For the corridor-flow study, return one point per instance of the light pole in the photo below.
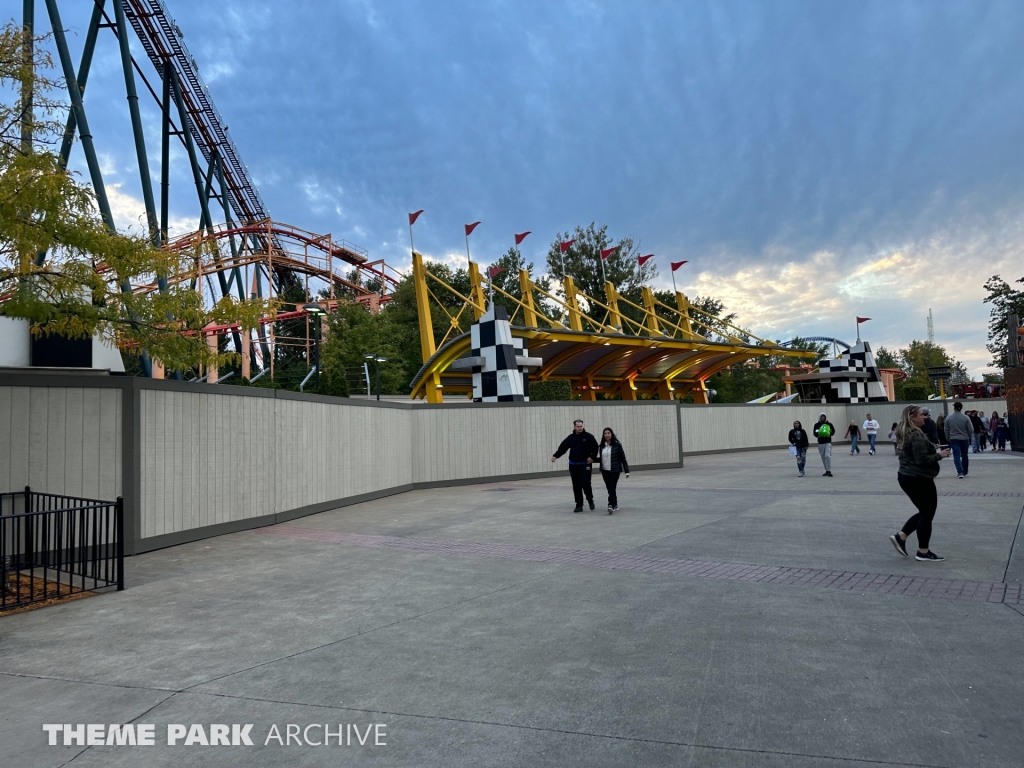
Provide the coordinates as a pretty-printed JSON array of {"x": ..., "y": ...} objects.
[
  {"x": 378, "y": 359},
  {"x": 316, "y": 312}
]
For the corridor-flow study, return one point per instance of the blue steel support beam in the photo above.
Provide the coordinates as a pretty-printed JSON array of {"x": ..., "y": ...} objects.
[
  {"x": 28, "y": 42},
  {"x": 140, "y": 137},
  {"x": 83, "y": 74},
  {"x": 86, "y": 136},
  {"x": 82, "y": 122}
]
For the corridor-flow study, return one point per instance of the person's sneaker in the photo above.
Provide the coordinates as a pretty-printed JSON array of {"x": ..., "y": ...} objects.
[
  {"x": 591, "y": 503},
  {"x": 901, "y": 546},
  {"x": 929, "y": 557},
  {"x": 801, "y": 474},
  {"x": 615, "y": 508},
  {"x": 824, "y": 474},
  {"x": 828, "y": 474},
  {"x": 578, "y": 509},
  {"x": 610, "y": 509},
  {"x": 959, "y": 477}
]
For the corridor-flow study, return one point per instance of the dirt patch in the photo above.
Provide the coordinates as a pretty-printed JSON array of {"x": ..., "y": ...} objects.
[{"x": 21, "y": 587}]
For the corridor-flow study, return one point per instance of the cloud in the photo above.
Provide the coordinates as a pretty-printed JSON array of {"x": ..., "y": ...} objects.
[{"x": 821, "y": 294}]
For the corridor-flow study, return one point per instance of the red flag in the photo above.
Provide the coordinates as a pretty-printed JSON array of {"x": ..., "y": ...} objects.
[
  {"x": 520, "y": 238},
  {"x": 567, "y": 245},
  {"x": 862, "y": 320},
  {"x": 414, "y": 216},
  {"x": 677, "y": 264},
  {"x": 608, "y": 252},
  {"x": 495, "y": 271},
  {"x": 471, "y": 227},
  {"x": 644, "y": 259}
]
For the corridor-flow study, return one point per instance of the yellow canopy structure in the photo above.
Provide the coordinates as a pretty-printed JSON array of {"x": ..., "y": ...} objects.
[{"x": 599, "y": 350}]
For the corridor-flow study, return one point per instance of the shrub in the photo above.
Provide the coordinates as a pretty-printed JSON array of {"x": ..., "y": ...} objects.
[{"x": 554, "y": 389}]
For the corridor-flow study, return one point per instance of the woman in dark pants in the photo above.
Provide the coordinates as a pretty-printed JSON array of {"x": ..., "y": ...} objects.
[
  {"x": 798, "y": 439},
  {"x": 919, "y": 464},
  {"x": 613, "y": 462}
]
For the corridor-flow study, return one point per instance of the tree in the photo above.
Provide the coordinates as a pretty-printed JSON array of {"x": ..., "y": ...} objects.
[
  {"x": 61, "y": 267},
  {"x": 512, "y": 262},
  {"x": 583, "y": 263},
  {"x": 351, "y": 333},
  {"x": 1005, "y": 300},
  {"x": 886, "y": 359}
]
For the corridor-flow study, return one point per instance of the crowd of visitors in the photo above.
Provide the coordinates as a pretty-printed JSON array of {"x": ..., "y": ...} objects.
[{"x": 919, "y": 442}]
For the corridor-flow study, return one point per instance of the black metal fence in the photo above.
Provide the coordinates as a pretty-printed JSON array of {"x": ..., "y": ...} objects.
[{"x": 54, "y": 546}]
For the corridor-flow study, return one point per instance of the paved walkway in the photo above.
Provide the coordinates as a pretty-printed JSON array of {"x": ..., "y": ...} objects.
[{"x": 731, "y": 614}]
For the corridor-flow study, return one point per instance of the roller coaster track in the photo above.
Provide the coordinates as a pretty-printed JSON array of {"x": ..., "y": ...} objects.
[{"x": 162, "y": 40}]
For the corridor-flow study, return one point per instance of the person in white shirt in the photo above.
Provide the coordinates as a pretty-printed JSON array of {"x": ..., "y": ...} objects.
[
  {"x": 871, "y": 430},
  {"x": 613, "y": 462}
]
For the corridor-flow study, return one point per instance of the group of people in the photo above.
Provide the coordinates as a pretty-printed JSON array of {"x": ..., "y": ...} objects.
[
  {"x": 920, "y": 444},
  {"x": 994, "y": 429},
  {"x": 799, "y": 441},
  {"x": 584, "y": 451}
]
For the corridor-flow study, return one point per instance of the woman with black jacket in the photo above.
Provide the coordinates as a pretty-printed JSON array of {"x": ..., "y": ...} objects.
[
  {"x": 919, "y": 464},
  {"x": 798, "y": 439},
  {"x": 613, "y": 462}
]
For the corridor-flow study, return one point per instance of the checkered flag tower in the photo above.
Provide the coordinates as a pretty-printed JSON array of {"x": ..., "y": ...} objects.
[{"x": 500, "y": 363}]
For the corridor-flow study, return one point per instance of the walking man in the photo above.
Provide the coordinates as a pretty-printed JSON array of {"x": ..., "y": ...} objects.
[
  {"x": 929, "y": 428},
  {"x": 871, "y": 430},
  {"x": 824, "y": 430},
  {"x": 582, "y": 448},
  {"x": 960, "y": 433},
  {"x": 978, "y": 428}
]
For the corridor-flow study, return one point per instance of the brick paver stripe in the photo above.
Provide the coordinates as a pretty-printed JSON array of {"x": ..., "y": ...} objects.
[{"x": 934, "y": 587}]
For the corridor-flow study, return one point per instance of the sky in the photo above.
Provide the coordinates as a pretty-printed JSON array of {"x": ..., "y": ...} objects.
[{"x": 813, "y": 161}]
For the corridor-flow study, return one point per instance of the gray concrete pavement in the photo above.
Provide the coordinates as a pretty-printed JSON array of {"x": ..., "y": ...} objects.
[{"x": 489, "y": 661}]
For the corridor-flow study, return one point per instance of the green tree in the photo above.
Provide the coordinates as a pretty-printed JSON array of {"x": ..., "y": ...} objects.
[
  {"x": 351, "y": 333},
  {"x": 61, "y": 267},
  {"x": 886, "y": 359},
  {"x": 1005, "y": 299},
  {"x": 583, "y": 263},
  {"x": 511, "y": 262}
]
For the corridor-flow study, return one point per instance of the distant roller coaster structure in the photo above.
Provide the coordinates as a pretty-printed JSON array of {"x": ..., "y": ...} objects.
[{"x": 244, "y": 250}]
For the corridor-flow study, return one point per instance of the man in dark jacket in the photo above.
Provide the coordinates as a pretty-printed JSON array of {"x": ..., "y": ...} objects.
[
  {"x": 824, "y": 430},
  {"x": 929, "y": 428},
  {"x": 582, "y": 448}
]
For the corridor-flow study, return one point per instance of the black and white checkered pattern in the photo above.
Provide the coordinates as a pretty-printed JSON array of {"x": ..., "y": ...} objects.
[
  {"x": 864, "y": 383},
  {"x": 500, "y": 380}
]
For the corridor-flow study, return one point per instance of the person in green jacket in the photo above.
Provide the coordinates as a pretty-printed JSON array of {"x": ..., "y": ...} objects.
[
  {"x": 824, "y": 430},
  {"x": 919, "y": 465}
]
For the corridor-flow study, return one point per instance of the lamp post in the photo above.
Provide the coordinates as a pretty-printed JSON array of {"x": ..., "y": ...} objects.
[
  {"x": 378, "y": 359},
  {"x": 316, "y": 312}
]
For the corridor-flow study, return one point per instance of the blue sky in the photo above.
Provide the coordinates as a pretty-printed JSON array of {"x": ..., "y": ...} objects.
[{"x": 813, "y": 160}]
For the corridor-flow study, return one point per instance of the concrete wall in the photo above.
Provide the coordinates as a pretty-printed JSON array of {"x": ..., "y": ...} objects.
[
  {"x": 64, "y": 440},
  {"x": 194, "y": 461},
  {"x": 730, "y": 427},
  {"x": 464, "y": 441}
]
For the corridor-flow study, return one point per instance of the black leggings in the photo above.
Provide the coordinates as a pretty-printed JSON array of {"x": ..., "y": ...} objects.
[
  {"x": 921, "y": 491},
  {"x": 611, "y": 479}
]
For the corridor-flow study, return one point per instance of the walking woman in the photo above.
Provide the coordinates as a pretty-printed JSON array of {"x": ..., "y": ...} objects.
[
  {"x": 798, "y": 441},
  {"x": 993, "y": 428},
  {"x": 919, "y": 464},
  {"x": 613, "y": 462},
  {"x": 853, "y": 432}
]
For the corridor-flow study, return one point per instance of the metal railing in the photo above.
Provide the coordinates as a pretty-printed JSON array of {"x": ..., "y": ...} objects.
[{"x": 54, "y": 546}]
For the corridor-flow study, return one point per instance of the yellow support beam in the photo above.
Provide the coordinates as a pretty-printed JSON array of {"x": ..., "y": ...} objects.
[
  {"x": 614, "y": 316},
  {"x": 571, "y": 304},
  {"x": 427, "y": 346},
  {"x": 684, "y": 312},
  {"x": 526, "y": 288},
  {"x": 476, "y": 291},
  {"x": 652, "y": 315}
]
